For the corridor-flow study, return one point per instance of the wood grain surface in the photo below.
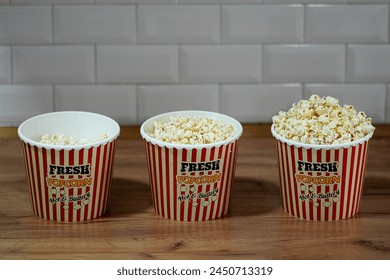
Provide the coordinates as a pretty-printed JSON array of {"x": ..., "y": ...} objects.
[{"x": 256, "y": 228}]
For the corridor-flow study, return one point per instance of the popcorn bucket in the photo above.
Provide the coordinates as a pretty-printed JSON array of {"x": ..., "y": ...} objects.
[
  {"x": 321, "y": 182},
  {"x": 191, "y": 182},
  {"x": 69, "y": 183}
]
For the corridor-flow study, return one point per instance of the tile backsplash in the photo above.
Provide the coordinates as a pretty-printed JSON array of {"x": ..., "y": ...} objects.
[{"x": 132, "y": 59}]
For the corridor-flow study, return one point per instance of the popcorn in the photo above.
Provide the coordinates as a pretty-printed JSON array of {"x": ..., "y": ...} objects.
[
  {"x": 62, "y": 140},
  {"x": 192, "y": 130},
  {"x": 322, "y": 121}
]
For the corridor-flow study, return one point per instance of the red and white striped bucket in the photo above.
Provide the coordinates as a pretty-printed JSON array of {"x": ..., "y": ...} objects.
[
  {"x": 191, "y": 182},
  {"x": 321, "y": 182},
  {"x": 69, "y": 183}
]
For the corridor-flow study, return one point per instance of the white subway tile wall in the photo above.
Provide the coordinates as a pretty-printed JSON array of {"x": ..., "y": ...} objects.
[
  {"x": 53, "y": 64},
  {"x": 304, "y": 63},
  {"x": 116, "y": 101},
  {"x": 159, "y": 24},
  {"x": 19, "y": 102},
  {"x": 132, "y": 59},
  {"x": 213, "y": 64},
  {"x": 137, "y": 64},
  {"x": 5, "y": 65},
  {"x": 157, "y": 99},
  {"x": 94, "y": 24}
]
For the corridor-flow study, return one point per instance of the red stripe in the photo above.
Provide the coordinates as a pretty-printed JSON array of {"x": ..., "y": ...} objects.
[
  {"x": 160, "y": 180},
  {"x": 167, "y": 182},
  {"x": 350, "y": 181},
  {"x": 26, "y": 153},
  {"x": 176, "y": 186},
  {"x": 328, "y": 188},
  {"x": 220, "y": 153},
  {"x": 362, "y": 175},
  {"x": 62, "y": 162},
  {"x": 109, "y": 178},
  {"x": 278, "y": 160},
  {"x": 336, "y": 186},
  {"x": 286, "y": 185},
  {"x": 102, "y": 177},
  {"x": 184, "y": 159},
  {"x": 288, "y": 181},
  {"x": 94, "y": 165},
  {"x": 226, "y": 190},
  {"x": 356, "y": 175},
  {"x": 54, "y": 205},
  {"x": 320, "y": 208},
  {"x": 190, "y": 207},
  {"x": 233, "y": 172},
  {"x": 223, "y": 180},
  {"x": 38, "y": 186},
  {"x": 229, "y": 182},
  {"x": 211, "y": 187},
  {"x": 310, "y": 159},
  {"x": 303, "y": 203},
  {"x": 344, "y": 182},
  {"x": 148, "y": 160},
  {"x": 45, "y": 187},
  {"x": 200, "y": 187},
  {"x": 294, "y": 185},
  {"x": 154, "y": 177},
  {"x": 81, "y": 162},
  {"x": 70, "y": 210}
]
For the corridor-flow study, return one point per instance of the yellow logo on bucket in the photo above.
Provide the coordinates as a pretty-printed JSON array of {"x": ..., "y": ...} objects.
[
  {"x": 318, "y": 183},
  {"x": 194, "y": 176}
]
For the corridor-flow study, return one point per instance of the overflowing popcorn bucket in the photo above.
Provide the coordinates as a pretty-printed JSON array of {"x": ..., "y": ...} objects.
[
  {"x": 321, "y": 160},
  {"x": 69, "y": 162},
  {"x": 191, "y": 157}
]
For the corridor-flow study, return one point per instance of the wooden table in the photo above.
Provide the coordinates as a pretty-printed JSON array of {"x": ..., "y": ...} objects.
[{"x": 256, "y": 228}]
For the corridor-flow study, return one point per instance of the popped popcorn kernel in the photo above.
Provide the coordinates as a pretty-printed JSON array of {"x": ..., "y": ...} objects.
[
  {"x": 192, "y": 130},
  {"x": 62, "y": 140},
  {"x": 322, "y": 121}
]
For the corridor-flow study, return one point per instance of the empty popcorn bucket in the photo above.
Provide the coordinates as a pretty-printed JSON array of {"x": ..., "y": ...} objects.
[
  {"x": 69, "y": 183},
  {"x": 191, "y": 182},
  {"x": 321, "y": 182}
]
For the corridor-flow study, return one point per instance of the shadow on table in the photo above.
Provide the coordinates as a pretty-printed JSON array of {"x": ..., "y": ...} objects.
[
  {"x": 252, "y": 197},
  {"x": 129, "y": 197}
]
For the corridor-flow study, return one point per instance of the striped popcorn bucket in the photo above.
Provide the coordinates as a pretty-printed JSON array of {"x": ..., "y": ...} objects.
[
  {"x": 191, "y": 182},
  {"x": 321, "y": 182},
  {"x": 69, "y": 183}
]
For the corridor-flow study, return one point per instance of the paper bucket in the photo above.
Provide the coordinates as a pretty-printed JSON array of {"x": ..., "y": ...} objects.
[
  {"x": 321, "y": 182},
  {"x": 69, "y": 183},
  {"x": 191, "y": 182}
]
